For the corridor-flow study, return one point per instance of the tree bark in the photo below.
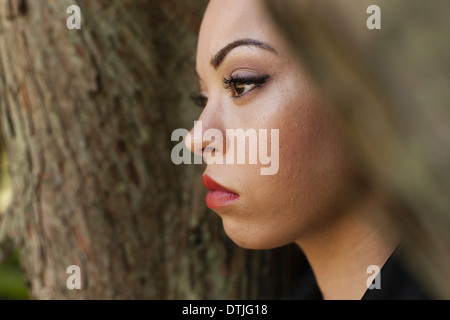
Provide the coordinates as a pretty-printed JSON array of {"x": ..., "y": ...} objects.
[{"x": 86, "y": 120}]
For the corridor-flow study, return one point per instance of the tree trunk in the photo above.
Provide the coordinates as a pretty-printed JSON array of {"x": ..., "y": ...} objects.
[{"x": 86, "y": 120}]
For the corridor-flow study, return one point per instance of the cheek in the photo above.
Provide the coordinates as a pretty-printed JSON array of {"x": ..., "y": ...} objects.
[
  {"x": 304, "y": 137},
  {"x": 301, "y": 156},
  {"x": 310, "y": 175},
  {"x": 311, "y": 179},
  {"x": 275, "y": 207}
]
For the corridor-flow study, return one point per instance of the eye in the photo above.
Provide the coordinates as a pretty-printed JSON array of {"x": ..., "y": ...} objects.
[
  {"x": 199, "y": 100},
  {"x": 239, "y": 86}
]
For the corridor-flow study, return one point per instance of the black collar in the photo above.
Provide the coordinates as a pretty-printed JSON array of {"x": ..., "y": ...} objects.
[{"x": 397, "y": 283}]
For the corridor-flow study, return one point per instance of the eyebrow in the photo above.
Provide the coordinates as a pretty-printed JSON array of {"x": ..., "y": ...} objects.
[{"x": 221, "y": 55}]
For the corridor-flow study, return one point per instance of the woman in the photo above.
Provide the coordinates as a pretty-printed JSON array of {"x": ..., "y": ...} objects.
[{"x": 319, "y": 198}]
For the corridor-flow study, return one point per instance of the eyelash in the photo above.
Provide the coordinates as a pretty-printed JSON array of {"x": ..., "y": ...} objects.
[
  {"x": 230, "y": 86},
  {"x": 199, "y": 100}
]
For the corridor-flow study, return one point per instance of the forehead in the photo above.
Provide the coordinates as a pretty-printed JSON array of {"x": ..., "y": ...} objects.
[{"x": 226, "y": 21}]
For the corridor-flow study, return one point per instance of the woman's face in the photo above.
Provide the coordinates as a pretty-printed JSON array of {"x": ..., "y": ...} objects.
[{"x": 265, "y": 88}]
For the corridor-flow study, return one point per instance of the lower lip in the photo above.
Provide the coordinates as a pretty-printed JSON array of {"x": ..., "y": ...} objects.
[{"x": 219, "y": 198}]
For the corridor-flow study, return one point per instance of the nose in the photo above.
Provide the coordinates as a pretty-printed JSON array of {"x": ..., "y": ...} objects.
[
  {"x": 194, "y": 140},
  {"x": 206, "y": 138}
]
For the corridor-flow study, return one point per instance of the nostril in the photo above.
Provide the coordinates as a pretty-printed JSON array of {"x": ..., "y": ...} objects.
[{"x": 209, "y": 150}]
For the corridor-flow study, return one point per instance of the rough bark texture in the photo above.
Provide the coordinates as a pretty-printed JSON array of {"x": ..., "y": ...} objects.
[
  {"x": 389, "y": 89},
  {"x": 86, "y": 118}
]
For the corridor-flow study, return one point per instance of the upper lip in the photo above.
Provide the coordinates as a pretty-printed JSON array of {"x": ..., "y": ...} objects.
[{"x": 213, "y": 185}]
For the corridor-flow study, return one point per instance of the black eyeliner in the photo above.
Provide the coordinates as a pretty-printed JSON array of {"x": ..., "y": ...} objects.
[{"x": 246, "y": 80}]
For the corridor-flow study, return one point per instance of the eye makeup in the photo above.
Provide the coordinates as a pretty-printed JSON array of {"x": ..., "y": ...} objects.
[
  {"x": 243, "y": 72},
  {"x": 239, "y": 85}
]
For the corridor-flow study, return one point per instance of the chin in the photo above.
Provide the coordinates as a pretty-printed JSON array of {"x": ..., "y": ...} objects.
[{"x": 252, "y": 237}]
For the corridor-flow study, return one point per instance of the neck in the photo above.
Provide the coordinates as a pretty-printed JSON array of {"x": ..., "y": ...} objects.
[{"x": 341, "y": 252}]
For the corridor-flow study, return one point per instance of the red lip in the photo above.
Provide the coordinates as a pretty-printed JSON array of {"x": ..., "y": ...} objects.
[{"x": 218, "y": 196}]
